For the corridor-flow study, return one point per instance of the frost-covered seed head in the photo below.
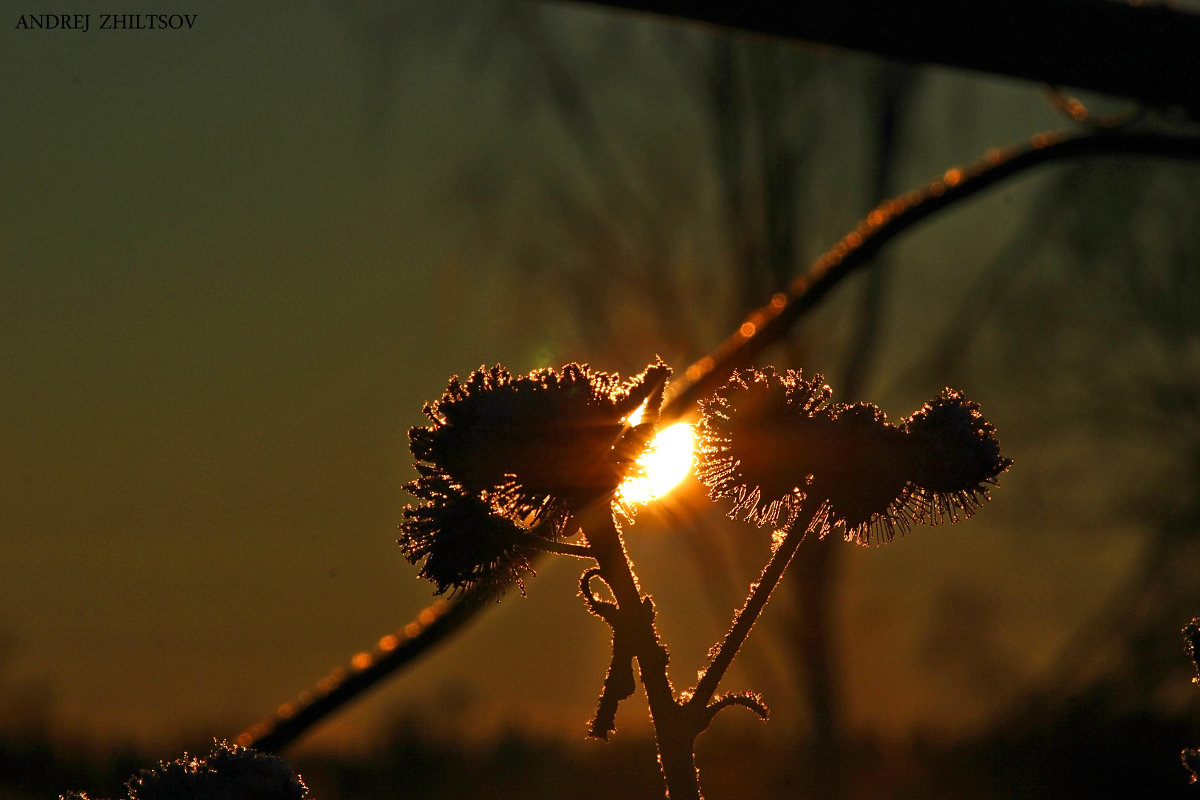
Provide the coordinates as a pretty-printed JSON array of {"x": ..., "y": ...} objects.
[
  {"x": 506, "y": 457},
  {"x": 773, "y": 443}
]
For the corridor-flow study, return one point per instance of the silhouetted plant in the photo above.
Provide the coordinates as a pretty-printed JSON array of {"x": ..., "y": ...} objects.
[
  {"x": 437, "y": 534},
  {"x": 229, "y": 772},
  {"x": 511, "y": 465},
  {"x": 1191, "y": 637}
]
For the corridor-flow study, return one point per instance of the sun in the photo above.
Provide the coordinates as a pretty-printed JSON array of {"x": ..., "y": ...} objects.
[{"x": 666, "y": 462}]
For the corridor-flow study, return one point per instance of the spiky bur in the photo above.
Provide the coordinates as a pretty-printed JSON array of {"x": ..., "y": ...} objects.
[
  {"x": 956, "y": 457},
  {"x": 511, "y": 457},
  {"x": 461, "y": 541},
  {"x": 229, "y": 772},
  {"x": 773, "y": 443},
  {"x": 742, "y": 440}
]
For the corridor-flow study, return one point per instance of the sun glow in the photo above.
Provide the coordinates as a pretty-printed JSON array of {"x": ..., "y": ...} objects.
[{"x": 666, "y": 462}]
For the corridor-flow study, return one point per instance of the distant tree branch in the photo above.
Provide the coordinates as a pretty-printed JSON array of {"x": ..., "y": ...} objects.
[{"x": 1142, "y": 52}]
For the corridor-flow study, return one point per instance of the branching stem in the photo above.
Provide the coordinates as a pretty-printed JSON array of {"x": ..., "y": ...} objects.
[
  {"x": 677, "y": 724},
  {"x": 674, "y": 729}
]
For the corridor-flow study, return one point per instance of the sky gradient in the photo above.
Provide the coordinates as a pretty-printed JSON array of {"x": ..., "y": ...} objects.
[{"x": 233, "y": 264}]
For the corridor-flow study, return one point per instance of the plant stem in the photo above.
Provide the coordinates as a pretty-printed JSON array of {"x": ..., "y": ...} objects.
[
  {"x": 748, "y": 615},
  {"x": 674, "y": 728}
]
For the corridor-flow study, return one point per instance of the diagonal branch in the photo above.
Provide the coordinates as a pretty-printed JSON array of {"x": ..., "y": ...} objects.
[{"x": 891, "y": 218}]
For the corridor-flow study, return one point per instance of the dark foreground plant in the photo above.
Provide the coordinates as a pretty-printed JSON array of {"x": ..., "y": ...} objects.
[
  {"x": 229, "y": 772},
  {"x": 511, "y": 465},
  {"x": 1191, "y": 637}
]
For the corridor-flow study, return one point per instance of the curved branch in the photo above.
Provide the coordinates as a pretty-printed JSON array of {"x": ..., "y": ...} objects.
[
  {"x": 750, "y": 700},
  {"x": 887, "y": 221},
  {"x": 601, "y": 608}
]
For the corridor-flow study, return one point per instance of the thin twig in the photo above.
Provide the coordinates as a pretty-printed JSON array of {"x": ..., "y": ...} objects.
[
  {"x": 749, "y": 613},
  {"x": 533, "y": 541}
]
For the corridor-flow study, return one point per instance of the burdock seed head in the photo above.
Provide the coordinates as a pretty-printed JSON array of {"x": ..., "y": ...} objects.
[
  {"x": 774, "y": 444},
  {"x": 542, "y": 443},
  {"x": 506, "y": 457},
  {"x": 864, "y": 475},
  {"x": 748, "y": 438},
  {"x": 957, "y": 458},
  {"x": 463, "y": 543}
]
